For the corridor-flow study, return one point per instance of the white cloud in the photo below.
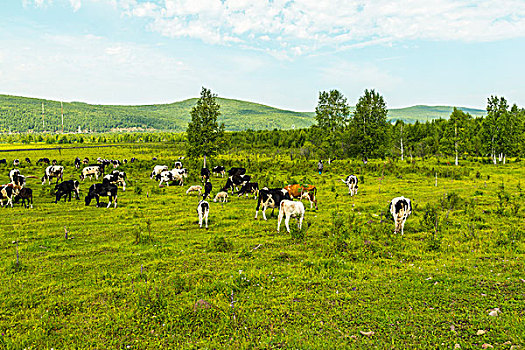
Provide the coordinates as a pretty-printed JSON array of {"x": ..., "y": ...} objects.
[
  {"x": 311, "y": 25},
  {"x": 75, "y": 4}
]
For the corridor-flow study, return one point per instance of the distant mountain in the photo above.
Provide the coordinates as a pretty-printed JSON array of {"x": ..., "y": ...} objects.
[{"x": 22, "y": 114}]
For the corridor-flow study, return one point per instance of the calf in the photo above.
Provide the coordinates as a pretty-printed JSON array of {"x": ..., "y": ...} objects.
[
  {"x": 203, "y": 209},
  {"x": 77, "y": 163},
  {"x": 116, "y": 177},
  {"x": 249, "y": 187},
  {"x": 157, "y": 169},
  {"x": 25, "y": 194},
  {"x": 43, "y": 160},
  {"x": 236, "y": 171},
  {"x": 205, "y": 174},
  {"x": 167, "y": 176},
  {"x": 221, "y": 197},
  {"x": 351, "y": 181},
  {"x": 290, "y": 208},
  {"x": 65, "y": 188},
  {"x": 104, "y": 190},
  {"x": 207, "y": 190},
  {"x": 9, "y": 191},
  {"x": 400, "y": 208},
  {"x": 303, "y": 191},
  {"x": 219, "y": 170},
  {"x": 90, "y": 171},
  {"x": 51, "y": 172},
  {"x": 194, "y": 189},
  {"x": 270, "y": 198}
]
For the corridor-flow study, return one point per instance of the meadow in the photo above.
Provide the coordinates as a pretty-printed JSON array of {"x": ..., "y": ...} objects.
[{"x": 145, "y": 276}]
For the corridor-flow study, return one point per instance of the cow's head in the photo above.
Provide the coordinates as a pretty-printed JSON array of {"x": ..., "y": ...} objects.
[{"x": 88, "y": 199}]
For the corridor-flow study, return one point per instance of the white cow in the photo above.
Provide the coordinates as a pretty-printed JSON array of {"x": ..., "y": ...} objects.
[
  {"x": 90, "y": 171},
  {"x": 221, "y": 197},
  {"x": 196, "y": 188},
  {"x": 400, "y": 208},
  {"x": 290, "y": 208},
  {"x": 351, "y": 181},
  {"x": 203, "y": 209}
]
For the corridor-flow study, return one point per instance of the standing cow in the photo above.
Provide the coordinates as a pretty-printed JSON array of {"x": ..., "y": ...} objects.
[
  {"x": 51, "y": 172},
  {"x": 400, "y": 208},
  {"x": 351, "y": 181},
  {"x": 104, "y": 190}
]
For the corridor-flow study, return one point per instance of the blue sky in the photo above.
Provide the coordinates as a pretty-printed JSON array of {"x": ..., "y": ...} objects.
[{"x": 279, "y": 52}]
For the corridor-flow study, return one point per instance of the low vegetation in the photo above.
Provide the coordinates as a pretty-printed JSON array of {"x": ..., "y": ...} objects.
[{"x": 144, "y": 276}]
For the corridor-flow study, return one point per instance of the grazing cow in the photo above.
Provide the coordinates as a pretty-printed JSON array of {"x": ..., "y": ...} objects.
[
  {"x": 133, "y": 159},
  {"x": 167, "y": 176},
  {"x": 116, "y": 163},
  {"x": 3, "y": 161},
  {"x": 207, "y": 190},
  {"x": 28, "y": 161},
  {"x": 16, "y": 162},
  {"x": 178, "y": 165},
  {"x": 270, "y": 198},
  {"x": 16, "y": 178},
  {"x": 25, "y": 194},
  {"x": 221, "y": 197},
  {"x": 90, "y": 171},
  {"x": 205, "y": 174},
  {"x": 65, "y": 188},
  {"x": 290, "y": 208},
  {"x": 235, "y": 181},
  {"x": 249, "y": 187},
  {"x": 125, "y": 161},
  {"x": 236, "y": 171},
  {"x": 116, "y": 177},
  {"x": 196, "y": 188},
  {"x": 85, "y": 161},
  {"x": 183, "y": 171},
  {"x": 351, "y": 181},
  {"x": 54, "y": 162},
  {"x": 43, "y": 160},
  {"x": 400, "y": 208},
  {"x": 203, "y": 209},
  {"x": 13, "y": 173},
  {"x": 9, "y": 191},
  {"x": 77, "y": 163},
  {"x": 53, "y": 171},
  {"x": 157, "y": 169},
  {"x": 104, "y": 190},
  {"x": 219, "y": 169},
  {"x": 303, "y": 191}
]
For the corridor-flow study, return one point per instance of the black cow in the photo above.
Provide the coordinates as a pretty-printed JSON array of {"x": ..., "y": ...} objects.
[
  {"x": 28, "y": 161},
  {"x": 3, "y": 161},
  {"x": 249, "y": 187},
  {"x": 270, "y": 198},
  {"x": 205, "y": 174},
  {"x": 236, "y": 171},
  {"x": 207, "y": 190},
  {"x": 235, "y": 181},
  {"x": 25, "y": 194},
  {"x": 65, "y": 188},
  {"x": 133, "y": 160},
  {"x": 77, "y": 162},
  {"x": 104, "y": 190},
  {"x": 219, "y": 169},
  {"x": 43, "y": 160}
]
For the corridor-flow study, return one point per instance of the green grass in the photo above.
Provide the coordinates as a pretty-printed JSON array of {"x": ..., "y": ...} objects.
[{"x": 145, "y": 276}]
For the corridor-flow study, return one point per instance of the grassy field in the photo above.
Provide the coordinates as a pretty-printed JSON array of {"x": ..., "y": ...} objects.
[{"x": 144, "y": 276}]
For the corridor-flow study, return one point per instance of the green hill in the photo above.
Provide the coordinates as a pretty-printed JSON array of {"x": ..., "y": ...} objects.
[{"x": 20, "y": 114}]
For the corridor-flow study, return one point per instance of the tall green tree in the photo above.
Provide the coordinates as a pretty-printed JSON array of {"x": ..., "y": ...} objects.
[
  {"x": 495, "y": 128},
  {"x": 455, "y": 136},
  {"x": 205, "y": 135},
  {"x": 369, "y": 125}
]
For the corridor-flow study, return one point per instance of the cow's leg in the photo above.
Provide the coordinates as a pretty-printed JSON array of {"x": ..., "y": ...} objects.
[
  {"x": 109, "y": 201},
  {"x": 403, "y": 226},
  {"x": 206, "y": 218},
  {"x": 200, "y": 219},
  {"x": 279, "y": 219},
  {"x": 70, "y": 196},
  {"x": 98, "y": 200},
  {"x": 31, "y": 201},
  {"x": 115, "y": 202},
  {"x": 264, "y": 212},
  {"x": 287, "y": 223},
  {"x": 301, "y": 221}
]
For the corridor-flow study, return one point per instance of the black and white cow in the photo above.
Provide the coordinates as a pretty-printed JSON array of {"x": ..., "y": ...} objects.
[
  {"x": 65, "y": 188},
  {"x": 116, "y": 177},
  {"x": 116, "y": 163},
  {"x": 177, "y": 165},
  {"x": 249, "y": 187},
  {"x": 235, "y": 181},
  {"x": 53, "y": 171},
  {"x": 16, "y": 162},
  {"x": 351, "y": 181},
  {"x": 236, "y": 171},
  {"x": 207, "y": 190},
  {"x": 270, "y": 198},
  {"x": 203, "y": 209},
  {"x": 25, "y": 194},
  {"x": 77, "y": 163},
  {"x": 28, "y": 161},
  {"x": 17, "y": 178},
  {"x": 43, "y": 160},
  {"x": 85, "y": 161},
  {"x": 219, "y": 169},
  {"x": 92, "y": 170},
  {"x": 400, "y": 208},
  {"x": 170, "y": 175},
  {"x": 9, "y": 191},
  {"x": 104, "y": 190},
  {"x": 133, "y": 159},
  {"x": 157, "y": 169},
  {"x": 205, "y": 174}
]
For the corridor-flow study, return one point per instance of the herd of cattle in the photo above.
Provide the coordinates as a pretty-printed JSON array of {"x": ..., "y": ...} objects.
[{"x": 237, "y": 180}]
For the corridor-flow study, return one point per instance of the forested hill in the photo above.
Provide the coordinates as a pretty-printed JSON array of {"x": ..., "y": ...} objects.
[{"x": 20, "y": 114}]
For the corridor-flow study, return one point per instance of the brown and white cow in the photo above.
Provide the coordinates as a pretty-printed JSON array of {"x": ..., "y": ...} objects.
[{"x": 303, "y": 192}]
